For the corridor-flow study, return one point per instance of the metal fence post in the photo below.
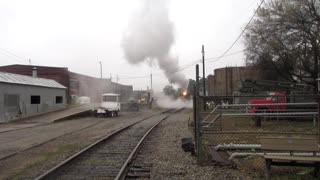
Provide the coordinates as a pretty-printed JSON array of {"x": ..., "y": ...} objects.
[
  {"x": 318, "y": 100},
  {"x": 197, "y": 112},
  {"x": 194, "y": 111}
]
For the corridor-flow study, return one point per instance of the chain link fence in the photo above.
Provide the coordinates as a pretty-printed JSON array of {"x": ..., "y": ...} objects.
[{"x": 228, "y": 129}]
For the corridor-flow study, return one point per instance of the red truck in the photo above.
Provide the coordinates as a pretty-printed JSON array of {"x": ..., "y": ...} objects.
[
  {"x": 276, "y": 101},
  {"x": 280, "y": 102}
]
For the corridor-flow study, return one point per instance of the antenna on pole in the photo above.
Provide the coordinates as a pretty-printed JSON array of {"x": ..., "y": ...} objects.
[
  {"x": 100, "y": 69},
  {"x": 151, "y": 81}
]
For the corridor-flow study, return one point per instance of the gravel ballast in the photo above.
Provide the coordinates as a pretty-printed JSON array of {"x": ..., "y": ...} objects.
[{"x": 162, "y": 152}]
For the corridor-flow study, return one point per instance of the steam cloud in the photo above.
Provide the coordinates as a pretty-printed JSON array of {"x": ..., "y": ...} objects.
[
  {"x": 149, "y": 38},
  {"x": 167, "y": 102}
]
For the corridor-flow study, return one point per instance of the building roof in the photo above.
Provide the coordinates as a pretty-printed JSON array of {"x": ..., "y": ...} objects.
[
  {"x": 28, "y": 80},
  {"x": 27, "y": 65}
]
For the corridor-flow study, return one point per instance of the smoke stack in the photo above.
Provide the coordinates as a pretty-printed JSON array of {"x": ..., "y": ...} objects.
[{"x": 34, "y": 72}]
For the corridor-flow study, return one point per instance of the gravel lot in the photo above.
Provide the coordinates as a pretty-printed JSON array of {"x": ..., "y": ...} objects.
[
  {"x": 33, "y": 162},
  {"x": 163, "y": 153}
]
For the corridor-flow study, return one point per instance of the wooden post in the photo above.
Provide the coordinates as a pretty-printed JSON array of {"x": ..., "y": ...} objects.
[{"x": 258, "y": 121}]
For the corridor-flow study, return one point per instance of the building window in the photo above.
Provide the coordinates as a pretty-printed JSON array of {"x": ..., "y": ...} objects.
[
  {"x": 35, "y": 99},
  {"x": 73, "y": 84},
  {"x": 11, "y": 100},
  {"x": 59, "y": 99}
]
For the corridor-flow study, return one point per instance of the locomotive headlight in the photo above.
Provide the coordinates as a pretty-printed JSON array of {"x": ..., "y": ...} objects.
[{"x": 184, "y": 93}]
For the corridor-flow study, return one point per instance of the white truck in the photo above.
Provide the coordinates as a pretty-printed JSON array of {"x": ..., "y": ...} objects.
[{"x": 110, "y": 105}]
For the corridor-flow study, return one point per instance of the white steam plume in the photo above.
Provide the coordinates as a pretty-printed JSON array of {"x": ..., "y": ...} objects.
[
  {"x": 166, "y": 102},
  {"x": 150, "y": 37}
]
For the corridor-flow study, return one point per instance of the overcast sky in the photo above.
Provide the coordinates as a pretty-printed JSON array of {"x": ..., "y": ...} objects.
[{"x": 79, "y": 33}]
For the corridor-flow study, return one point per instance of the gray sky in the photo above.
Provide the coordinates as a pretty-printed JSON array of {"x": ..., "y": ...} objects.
[{"x": 79, "y": 33}]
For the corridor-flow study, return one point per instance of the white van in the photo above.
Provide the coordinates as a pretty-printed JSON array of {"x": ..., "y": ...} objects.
[{"x": 110, "y": 105}]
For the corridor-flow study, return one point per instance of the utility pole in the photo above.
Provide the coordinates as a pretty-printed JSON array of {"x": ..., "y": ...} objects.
[
  {"x": 197, "y": 115},
  {"x": 117, "y": 85},
  {"x": 204, "y": 72},
  {"x": 100, "y": 69},
  {"x": 29, "y": 61},
  {"x": 151, "y": 82}
]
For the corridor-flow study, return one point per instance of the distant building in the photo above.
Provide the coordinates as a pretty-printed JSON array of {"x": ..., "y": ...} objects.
[
  {"x": 226, "y": 81},
  {"x": 82, "y": 85},
  {"x": 22, "y": 95},
  {"x": 77, "y": 84}
]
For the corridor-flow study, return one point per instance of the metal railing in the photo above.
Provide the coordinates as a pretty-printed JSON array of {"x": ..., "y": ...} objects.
[{"x": 222, "y": 122}]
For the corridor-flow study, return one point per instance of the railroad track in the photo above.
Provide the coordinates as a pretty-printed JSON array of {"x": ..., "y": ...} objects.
[
  {"x": 52, "y": 139},
  {"x": 107, "y": 158}
]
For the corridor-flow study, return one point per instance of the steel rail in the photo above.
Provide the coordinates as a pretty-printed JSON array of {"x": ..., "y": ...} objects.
[
  {"x": 96, "y": 143},
  {"x": 125, "y": 167}
]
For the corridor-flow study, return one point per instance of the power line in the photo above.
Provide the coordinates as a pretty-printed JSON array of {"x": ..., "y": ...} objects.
[
  {"x": 11, "y": 57},
  {"x": 181, "y": 68},
  {"x": 225, "y": 53},
  {"x": 14, "y": 55},
  {"x": 245, "y": 28},
  {"x": 213, "y": 59},
  {"x": 176, "y": 70},
  {"x": 134, "y": 77},
  {"x": 17, "y": 57}
]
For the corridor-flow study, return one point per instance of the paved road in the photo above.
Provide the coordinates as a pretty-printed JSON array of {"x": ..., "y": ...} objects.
[{"x": 43, "y": 118}]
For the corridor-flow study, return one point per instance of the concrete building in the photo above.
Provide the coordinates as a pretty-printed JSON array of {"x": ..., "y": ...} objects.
[
  {"x": 82, "y": 85},
  {"x": 22, "y": 95},
  {"x": 226, "y": 81},
  {"x": 77, "y": 84}
]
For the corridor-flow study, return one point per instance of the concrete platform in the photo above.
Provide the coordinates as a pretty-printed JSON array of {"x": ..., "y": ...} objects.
[{"x": 43, "y": 118}]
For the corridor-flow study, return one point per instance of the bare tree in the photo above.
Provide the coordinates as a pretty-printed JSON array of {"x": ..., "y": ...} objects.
[{"x": 286, "y": 35}]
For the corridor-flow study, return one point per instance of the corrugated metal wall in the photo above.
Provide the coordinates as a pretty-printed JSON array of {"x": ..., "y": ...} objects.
[
  {"x": 24, "y": 107},
  {"x": 225, "y": 81}
]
